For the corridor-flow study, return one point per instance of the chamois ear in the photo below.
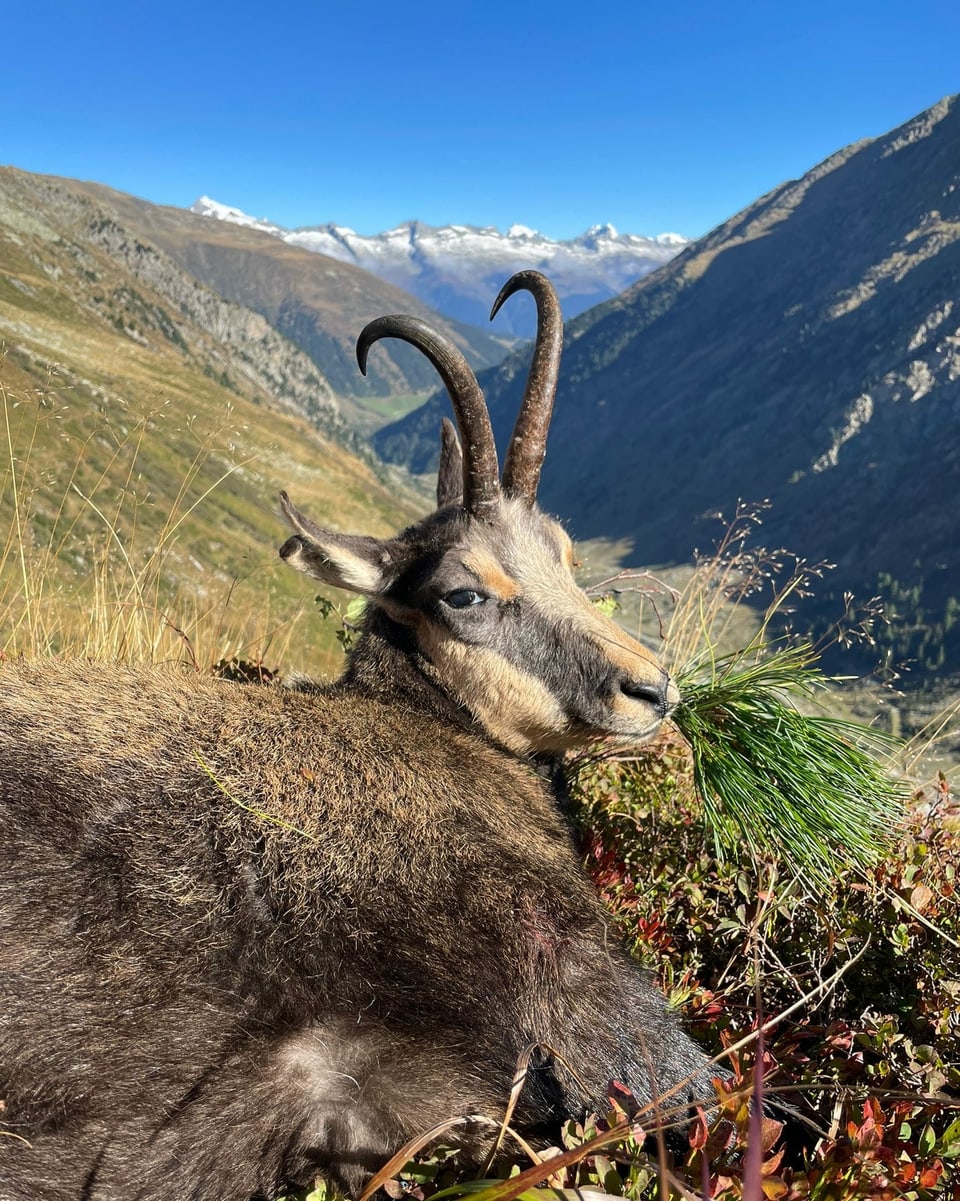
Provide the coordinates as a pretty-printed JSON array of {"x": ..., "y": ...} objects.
[
  {"x": 350, "y": 561},
  {"x": 450, "y": 472}
]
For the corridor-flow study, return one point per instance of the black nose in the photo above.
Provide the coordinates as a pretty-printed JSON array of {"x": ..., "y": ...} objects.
[{"x": 654, "y": 694}]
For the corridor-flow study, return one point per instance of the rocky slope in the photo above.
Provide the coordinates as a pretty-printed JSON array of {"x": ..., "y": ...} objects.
[
  {"x": 318, "y": 303},
  {"x": 103, "y": 268},
  {"x": 146, "y": 418}
]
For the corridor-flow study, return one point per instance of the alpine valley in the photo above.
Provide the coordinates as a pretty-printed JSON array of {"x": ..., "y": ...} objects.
[{"x": 807, "y": 351}]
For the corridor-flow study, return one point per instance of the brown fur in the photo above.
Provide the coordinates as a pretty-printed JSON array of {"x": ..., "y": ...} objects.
[
  {"x": 250, "y": 934},
  {"x": 490, "y": 574}
]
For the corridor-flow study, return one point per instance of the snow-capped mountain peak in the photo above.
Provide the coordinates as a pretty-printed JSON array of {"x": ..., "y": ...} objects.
[
  {"x": 601, "y": 231},
  {"x": 459, "y": 268},
  {"x": 677, "y": 240},
  {"x": 206, "y": 206},
  {"x": 523, "y": 231}
]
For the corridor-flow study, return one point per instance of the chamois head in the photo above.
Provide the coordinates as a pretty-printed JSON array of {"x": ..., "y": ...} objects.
[{"x": 485, "y": 585}]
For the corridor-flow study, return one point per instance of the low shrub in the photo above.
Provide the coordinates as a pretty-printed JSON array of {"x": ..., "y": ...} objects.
[{"x": 856, "y": 983}]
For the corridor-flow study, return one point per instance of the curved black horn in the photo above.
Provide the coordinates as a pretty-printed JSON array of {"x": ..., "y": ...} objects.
[
  {"x": 481, "y": 488},
  {"x": 528, "y": 444}
]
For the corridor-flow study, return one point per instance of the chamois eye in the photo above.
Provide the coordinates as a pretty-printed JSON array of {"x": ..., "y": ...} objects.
[{"x": 464, "y": 598}]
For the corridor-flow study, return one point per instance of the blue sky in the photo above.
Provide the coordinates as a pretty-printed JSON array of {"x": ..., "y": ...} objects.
[{"x": 558, "y": 116}]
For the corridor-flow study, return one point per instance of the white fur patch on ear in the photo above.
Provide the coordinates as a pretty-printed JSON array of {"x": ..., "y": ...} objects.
[
  {"x": 356, "y": 573},
  {"x": 333, "y": 563}
]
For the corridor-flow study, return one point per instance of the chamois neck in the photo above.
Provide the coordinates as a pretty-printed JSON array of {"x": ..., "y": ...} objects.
[{"x": 386, "y": 662}]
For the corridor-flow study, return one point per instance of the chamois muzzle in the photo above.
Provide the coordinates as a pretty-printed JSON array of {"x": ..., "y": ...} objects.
[{"x": 661, "y": 696}]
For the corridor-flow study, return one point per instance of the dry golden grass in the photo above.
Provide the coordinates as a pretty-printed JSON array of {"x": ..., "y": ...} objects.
[{"x": 144, "y": 535}]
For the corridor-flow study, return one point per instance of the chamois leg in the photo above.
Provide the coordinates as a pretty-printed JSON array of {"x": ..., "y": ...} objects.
[{"x": 335, "y": 1100}]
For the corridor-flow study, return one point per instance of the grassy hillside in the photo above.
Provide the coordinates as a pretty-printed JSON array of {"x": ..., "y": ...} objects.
[{"x": 141, "y": 455}]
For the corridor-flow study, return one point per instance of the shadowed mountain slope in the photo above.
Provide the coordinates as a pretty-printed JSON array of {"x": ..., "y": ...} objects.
[{"x": 806, "y": 351}]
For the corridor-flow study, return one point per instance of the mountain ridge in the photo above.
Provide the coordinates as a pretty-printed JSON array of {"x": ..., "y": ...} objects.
[
  {"x": 319, "y": 304},
  {"x": 453, "y": 267}
]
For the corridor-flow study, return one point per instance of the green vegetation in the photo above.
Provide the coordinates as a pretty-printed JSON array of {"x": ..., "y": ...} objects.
[
  {"x": 923, "y": 631},
  {"x": 808, "y": 788},
  {"x": 133, "y": 531},
  {"x": 855, "y": 982},
  {"x": 390, "y": 408},
  {"x": 914, "y": 626},
  {"x": 369, "y": 413}
]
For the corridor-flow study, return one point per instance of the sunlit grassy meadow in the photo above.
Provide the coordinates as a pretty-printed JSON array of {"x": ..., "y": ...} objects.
[{"x": 134, "y": 532}]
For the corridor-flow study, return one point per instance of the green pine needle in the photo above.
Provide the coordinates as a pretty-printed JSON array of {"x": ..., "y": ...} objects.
[{"x": 813, "y": 791}]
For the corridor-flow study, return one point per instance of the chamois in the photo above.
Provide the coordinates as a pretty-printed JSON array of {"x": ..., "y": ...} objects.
[{"x": 253, "y": 934}]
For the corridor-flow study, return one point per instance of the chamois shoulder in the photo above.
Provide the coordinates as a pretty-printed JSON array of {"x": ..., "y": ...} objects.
[{"x": 161, "y": 735}]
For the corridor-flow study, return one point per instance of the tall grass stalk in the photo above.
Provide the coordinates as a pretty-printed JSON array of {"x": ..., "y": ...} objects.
[
  {"x": 92, "y": 564},
  {"x": 14, "y": 541},
  {"x": 708, "y": 618}
]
